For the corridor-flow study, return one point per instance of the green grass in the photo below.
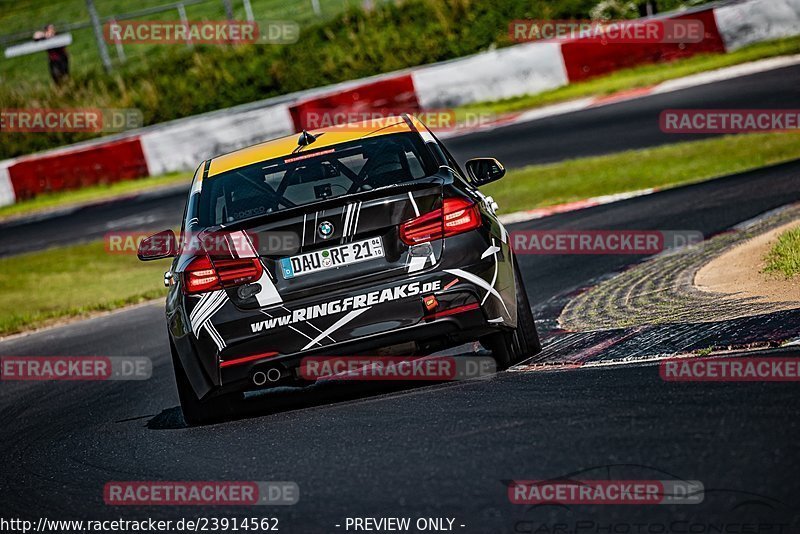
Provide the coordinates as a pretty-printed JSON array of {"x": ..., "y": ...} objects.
[
  {"x": 643, "y": 76},
  {"x": 784, "y": 257},
  {"x": 682, "y": 163},
  {"x": 41, "y": 287},
  {"x": 94, "y": 193},
  {"x": 29, "y": 15}
]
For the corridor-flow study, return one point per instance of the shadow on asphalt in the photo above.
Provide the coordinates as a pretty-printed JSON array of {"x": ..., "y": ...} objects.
[{"x": 286, "y": 399}]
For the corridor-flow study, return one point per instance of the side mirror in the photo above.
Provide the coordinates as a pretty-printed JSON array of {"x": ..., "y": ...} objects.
[
  {"x": 158, "y": 246},
  {"x": 485, "y": 170}
]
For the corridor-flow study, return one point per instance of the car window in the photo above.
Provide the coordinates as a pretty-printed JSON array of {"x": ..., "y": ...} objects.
[{"x": 307, "y": 177}]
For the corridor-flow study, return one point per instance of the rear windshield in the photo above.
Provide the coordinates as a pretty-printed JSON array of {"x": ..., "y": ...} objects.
[{"x": 311, "y": 176}]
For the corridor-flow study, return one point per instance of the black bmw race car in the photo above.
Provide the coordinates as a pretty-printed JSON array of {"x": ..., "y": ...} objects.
[{"x": 348, "y": 240}]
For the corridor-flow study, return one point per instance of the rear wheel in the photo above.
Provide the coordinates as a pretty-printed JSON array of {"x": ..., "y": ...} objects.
[
  {"x": 196, "y": 411},
  {"x": 513, "y": 346},
  {"x": 525, "y": 338},
  {"x": 500, "y": 345}
]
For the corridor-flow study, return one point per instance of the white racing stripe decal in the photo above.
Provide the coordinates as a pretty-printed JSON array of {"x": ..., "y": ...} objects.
[
  {"x": 293, "y": 328},
  {"x": 301, "y": 333},
  {"x": 489, "y": 251},
  {"x": 309, "y": 323},
  {"x": 346, "y": 214},
  {"x": 203, "y": 303},
  {"x": 336, "y": 326},
  {"x": 492, "y": 250},
  {"x": 214, "y": 304},
  {"x": 479, "y": 282},
  {"x": 417, "y": 263},
  {"x": 200, "y": 324},
  {"x": 350, "y": 215},
  {"x": 209, "y": 305},
  {"x": 355, "y": 223},
  {"x": 269, "y": 293},
  {"x": 215, "y": 335},
  {"x": 200, "y": 304},
  {"x": 413, "y": 203},
  {"x": 236, "y": 253}
]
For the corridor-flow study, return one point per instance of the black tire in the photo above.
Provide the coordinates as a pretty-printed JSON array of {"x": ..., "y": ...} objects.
[
  {"x": 513, "y": 346},
  {"x": 196, "y": 411},
  {"x": 525, "y": 338},
  {"x": 501, "y": 347}
]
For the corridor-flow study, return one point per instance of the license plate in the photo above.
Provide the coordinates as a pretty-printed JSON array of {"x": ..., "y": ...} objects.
[{"x": 331, "y": 258}]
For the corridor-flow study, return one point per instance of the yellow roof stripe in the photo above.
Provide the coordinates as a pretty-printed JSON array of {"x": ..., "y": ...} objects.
[{"x": 285, "y": 145}]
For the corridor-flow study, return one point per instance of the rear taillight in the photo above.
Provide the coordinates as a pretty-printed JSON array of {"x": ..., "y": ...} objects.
[
  {"x": 423, "y": 228},
  {"x": 201, "y": 275},
  {"x": 460, "y": 216},
  {"x": 457, "y": 215},
  {"x": 237, "y": 272}
]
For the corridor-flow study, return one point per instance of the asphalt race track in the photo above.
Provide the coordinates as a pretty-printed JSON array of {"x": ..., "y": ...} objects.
[
  {"x": 436, "y": 451},
  {"x": 626, "y": 125}
]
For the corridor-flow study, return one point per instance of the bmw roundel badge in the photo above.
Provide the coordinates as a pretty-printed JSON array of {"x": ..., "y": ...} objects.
[{"x": 325, "y": 229}]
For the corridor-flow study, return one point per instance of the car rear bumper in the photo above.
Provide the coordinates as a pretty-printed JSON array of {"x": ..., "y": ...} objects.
[
  {"x": 471, "y": 302},
  {"x": 451, "y": 330}
]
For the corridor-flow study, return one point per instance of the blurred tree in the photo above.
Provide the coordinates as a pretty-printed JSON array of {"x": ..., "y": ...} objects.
[
  {"x": 628, "y": 9},
  {"x": 615, "y": 10}
]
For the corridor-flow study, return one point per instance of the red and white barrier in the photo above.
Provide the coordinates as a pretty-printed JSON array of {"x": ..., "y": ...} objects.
[
  {"x": 528, "y": 68},
  {"x": 378, "y": 97},
  {"x": 181, "y": 145},
  {"x": 585, "y": 59},
  {"x": 744, "y": 23},
  {"x": 518, "y": 70},
  {"x": 7, "y": 196},
  {"x": 73, "y": 168}
]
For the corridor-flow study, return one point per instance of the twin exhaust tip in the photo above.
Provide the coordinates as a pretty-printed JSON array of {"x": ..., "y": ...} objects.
[{"x": 260, "y": 377}]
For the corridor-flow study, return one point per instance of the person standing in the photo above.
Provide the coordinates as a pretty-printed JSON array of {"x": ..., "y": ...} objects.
[{"x": 57, "y": 57}]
